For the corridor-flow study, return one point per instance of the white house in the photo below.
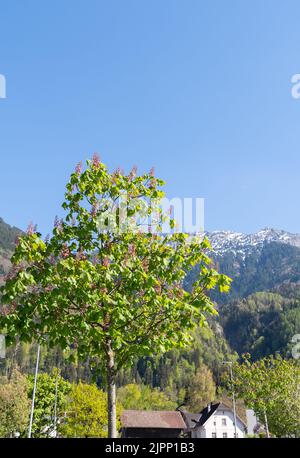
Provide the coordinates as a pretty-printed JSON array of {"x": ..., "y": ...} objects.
[{"x": 215, "y": 421}]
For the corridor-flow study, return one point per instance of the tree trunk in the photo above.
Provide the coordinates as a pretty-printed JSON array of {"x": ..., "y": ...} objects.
[
  {"x": 267, "y": 425},
  {"x": 111, "y": 394}
]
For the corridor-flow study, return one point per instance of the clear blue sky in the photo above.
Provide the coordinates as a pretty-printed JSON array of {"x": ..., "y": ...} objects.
[{"x": 199, "y": 89}]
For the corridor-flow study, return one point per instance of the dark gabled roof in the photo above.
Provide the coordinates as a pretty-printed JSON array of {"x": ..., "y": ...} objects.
[
  {"x": 207, "y": 412},
  {"x": 152, "y": 419},
  {"x": 194, "y": 420}
]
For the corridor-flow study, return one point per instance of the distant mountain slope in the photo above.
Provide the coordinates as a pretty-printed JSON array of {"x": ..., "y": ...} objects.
[
  {"x": 8, "y": 236},
  {"x": 261, "y": 313},
  {"x": 260, "y": 270},
  {"x": 255, "y": 262},
  {"x": 243, "y": 244}
]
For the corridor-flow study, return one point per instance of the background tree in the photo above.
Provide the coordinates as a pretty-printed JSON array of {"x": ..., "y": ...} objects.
[
  {"x": 271, "y": 387},
  {"x": 225, "y": 398},
  {"x": 49, "y": 387},
  {"x": 104, "y": 285},
  {"x": 201, "y": 390},
  {"x": 14, "y": 405},
  {"x": 86, "y": 414},
  {"x": 142, "y": 397}
]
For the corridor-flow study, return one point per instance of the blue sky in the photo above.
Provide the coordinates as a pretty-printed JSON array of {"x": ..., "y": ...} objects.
[{"x": 199, "y": 89}]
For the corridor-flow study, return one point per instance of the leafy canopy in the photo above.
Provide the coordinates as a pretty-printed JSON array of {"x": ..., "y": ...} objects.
[
  {"x": 91, "y": 284},
  {"x": 14, "y": 405},
  {"x": 51, "y": 390},
  {"x": 86, "y": 413},
  {"x": 272, "y": 386},
  {"x": 201, "y": 391},
  {"x": 143, "y": 397}
]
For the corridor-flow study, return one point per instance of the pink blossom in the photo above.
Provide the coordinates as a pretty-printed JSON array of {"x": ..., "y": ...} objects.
[
  {"x": 145, "y": 265},
  {"x": 78, "y": 168},
  {"x": 131, "y": 250},
  {"x": 80, "y": 256},
  {"x": 58, "y": 223},
  {"x": 133, "y": 172},
  {"x": 96, "y": 161},
  {"x": 105, "y": 261},
  {"x": 49, "y": 288},
  {"x": 65, "y": 252},
  {"x": 30, "y": 228},
  {"x": 119, "y": 171},
  {"x": 158, "y": 289},
  {"x": 94, "y": 209}
]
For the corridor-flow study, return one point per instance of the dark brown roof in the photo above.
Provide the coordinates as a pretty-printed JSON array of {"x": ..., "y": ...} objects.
[{"x": 152, "y": 419}]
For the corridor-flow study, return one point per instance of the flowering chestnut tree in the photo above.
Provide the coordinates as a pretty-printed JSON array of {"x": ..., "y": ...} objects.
[{"x": 107, "y": 285}]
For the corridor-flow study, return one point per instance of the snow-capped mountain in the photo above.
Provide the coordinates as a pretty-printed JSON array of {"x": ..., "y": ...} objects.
[
  {"x": 239, "y": 243},
  {"x": 255, "y": 262}
]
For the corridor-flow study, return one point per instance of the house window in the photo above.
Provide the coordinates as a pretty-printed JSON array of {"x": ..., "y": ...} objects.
[
  {"x": 224, "y": 435},
  {"x": 223, "y": 421},
  {"x": 214, "y": 435},
  {"x": 236, "y": 435},
  {"x": 215, "y": 422}
]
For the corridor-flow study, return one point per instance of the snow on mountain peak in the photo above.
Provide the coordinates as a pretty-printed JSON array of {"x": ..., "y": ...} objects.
[{"x": 237, "y": 242}]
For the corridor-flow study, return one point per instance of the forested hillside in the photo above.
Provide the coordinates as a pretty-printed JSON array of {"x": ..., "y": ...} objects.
[{"x": 263, "y": 323}]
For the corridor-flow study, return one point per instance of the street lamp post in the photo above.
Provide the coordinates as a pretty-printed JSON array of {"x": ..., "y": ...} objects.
[
  {"x": 55, "y": 405},
  {"x": 233, "y": 396},
  {"x": 34, "y": 390}
]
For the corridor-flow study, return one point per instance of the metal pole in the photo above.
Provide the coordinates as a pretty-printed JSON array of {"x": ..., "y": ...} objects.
[
  {"x": 233, "y": 401},
  {"x": 233, "y": 396},
  {"x": 34, "y": 390},
  {"x": 55, "y": 404}
]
